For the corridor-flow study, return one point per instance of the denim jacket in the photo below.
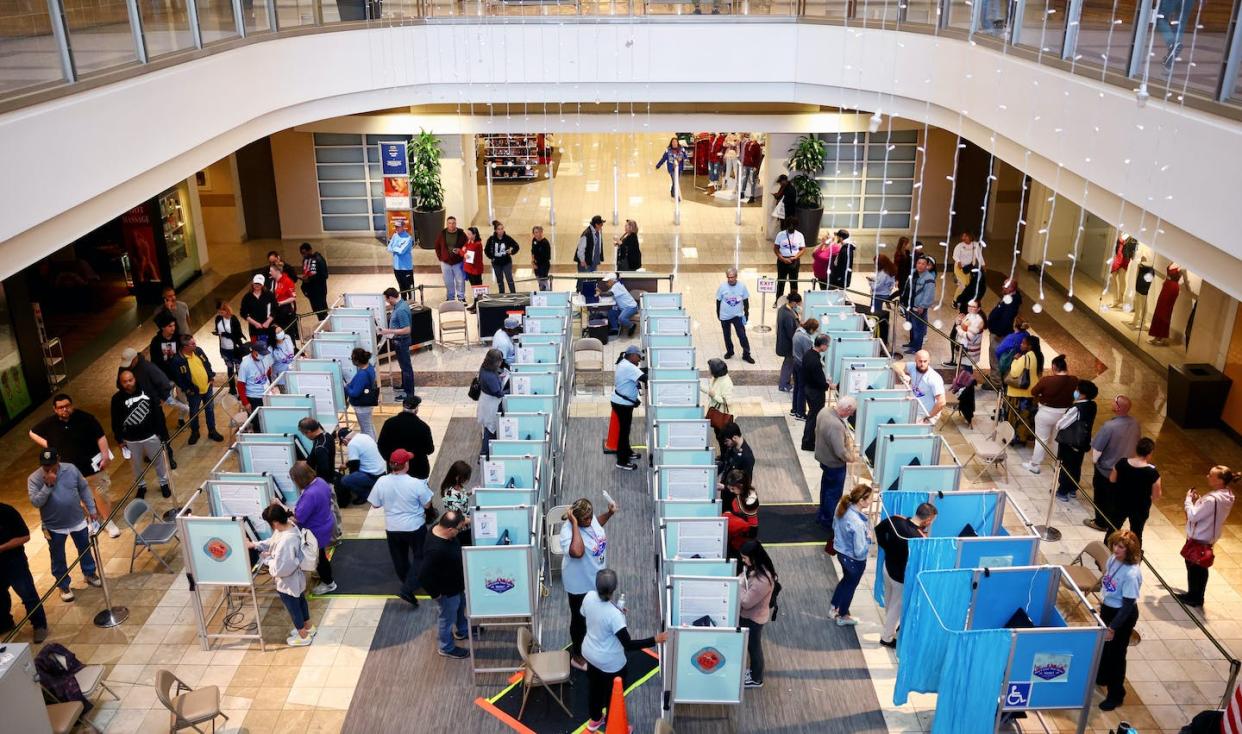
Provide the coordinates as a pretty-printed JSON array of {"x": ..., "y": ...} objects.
[{"x": 851, "y": 538}]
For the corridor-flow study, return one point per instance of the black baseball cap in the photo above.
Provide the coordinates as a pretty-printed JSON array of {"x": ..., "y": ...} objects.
[
  {"x": 49, "y": 457},
  {"x": 597, "y": 219}
]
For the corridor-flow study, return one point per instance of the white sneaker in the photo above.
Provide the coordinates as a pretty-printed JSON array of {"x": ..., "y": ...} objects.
[
  {"x": 310, "y": 632},
  {"x": 67, "y": 595},
  {"x": 322, "y": 589},
  {"x": 113, "y": 530},
  {"x": 1032, "y": 468},
  {"x": 298, "y": 641},
  {"x": 846, "y": 621}
]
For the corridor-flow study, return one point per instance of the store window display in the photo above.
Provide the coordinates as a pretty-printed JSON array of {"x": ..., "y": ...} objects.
[
  {"x": 1118, "y": 268},
  {"x": 1161, "y": 318}
]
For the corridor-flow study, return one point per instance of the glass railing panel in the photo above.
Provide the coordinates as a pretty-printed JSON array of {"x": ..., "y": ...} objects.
[
  {"x": 830, "y": 9},
  {"x": 877, "y": 11},
  {"x": 1043, "y": 26},
  {"x": 28, "y": 54},
  {"x": 1105, "y": 31},
  {"x": 922, "y": 12},
  {"x": 165, "y": 26},
  {"x": 215, "y": 20},
  {"x": 99, "y": 35},
  {"x": 294, "y": 13},
  {"x": 255, "y": 17},
  {"x": 1189, "y": 47}
]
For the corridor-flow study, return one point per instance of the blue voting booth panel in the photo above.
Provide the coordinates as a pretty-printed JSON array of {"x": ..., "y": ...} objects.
[
  {"x": 661, "y": 300},
  {"x": 660, "y": 323},
  {"x": 893, "y": 452},
  {"x": 538, "y": 353},
  {"x": 284, "y": 420},
  {"x": 684, "y": 393},
  {"x": 1059, "y": 665},
  {"x": 523, "y": 426},
  {"x": 682, "y": 434},
  {"x": 514, "y": 471},
  {"x": 534, "y": 383},
  {"x": 499, "y": 448},
  {"x": 550, "y": 298},
  {"x": 534, "y": 368},
  {"x": 678, "y": 358},
  {"x": 716, "y": 597},
  {"x": 668, "y": 340},
  {"x": 943, "y": 478},
  {"x": 327, "y": 345},
  {"x": 496, "y": 497},
  {"x": 1003, "y": 592},
  {"x": 540, "y": 312},
  {"x": 844, "y": 323},
  {"x": 997, "y": 551},
  {"x": 694, "y": 483},
  {"x": 544, "y": 325},
  {"x": 669, "y": 373},
  {"x": 694, "y": 538},
  {"x": 812, "y": 300},
  {"x": 242, "y": 496},
  {"x": 685, "y": 457},
  {"x": 686, "y": 508},
  {"x": 529, "y": 404},
  {"x": 336, "y": 367},
  {"x": 858, "y": 376},
  {"x": 875, "y": 412},
  {"x": 700, "y": 567},
  {"x": 503, "y": 525},
  {"x": 675, "y": 412},
  {"x": 708, "y": 665},
  {"x": 500, "y": 580},
  {"x": 956, "y": 510},
  {"x": 845, "y": 346}
]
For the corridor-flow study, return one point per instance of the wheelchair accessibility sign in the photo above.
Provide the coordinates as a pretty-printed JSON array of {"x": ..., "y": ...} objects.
[{"x": 1018, "y": 695}]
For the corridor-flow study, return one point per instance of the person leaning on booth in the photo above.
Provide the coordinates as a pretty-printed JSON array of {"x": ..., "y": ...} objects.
[
  {"x": 606, "y": 643},
  {"x": 1119, "y": 590},
  {"x": 584, "y": 546},
  {"x": 624, "y": 401}
]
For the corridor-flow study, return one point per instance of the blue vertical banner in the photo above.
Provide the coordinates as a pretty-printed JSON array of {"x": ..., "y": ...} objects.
[{"x": 394, "y": 159}]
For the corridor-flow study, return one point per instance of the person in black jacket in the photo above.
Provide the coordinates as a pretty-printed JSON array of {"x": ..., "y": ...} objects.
[
  {"x": 814, "y": 387},
  {"x": 893, "y": 535},
  {"x": 785, "y": 192},
  {"x": 786, "y": 325},
  {"x": 407, "y": 431},
  {"x": 629, "y": 255},
  {"x": 500, "y": 249},
  {"x": 322, "y": 455},
  {"x": 193, "y": 374},
  {"x": 232, "y": 342},
  {"x": 154, "y": 382},
  {"x": 136, "y": 422},
  {"x": 541, "y": 257},
  {"x": 1073, "y": 434},
  {"x": 165, "y": 344},
  {"x": 842, "y": 265},
  {"x": 258, "y": 310},
  {"x": 442, "y": 576},
  {"x": 314, "y": 280}
]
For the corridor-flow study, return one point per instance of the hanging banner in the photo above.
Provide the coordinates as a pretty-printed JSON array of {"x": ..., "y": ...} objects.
[
  {"x": 394, "y": 159},
  {"x": 396, "y": 192}
]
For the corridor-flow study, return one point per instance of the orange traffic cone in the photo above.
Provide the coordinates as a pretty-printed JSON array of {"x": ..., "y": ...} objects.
[
  {"x": 618, "y": 722},
  {"x": 614, "y": 432}
]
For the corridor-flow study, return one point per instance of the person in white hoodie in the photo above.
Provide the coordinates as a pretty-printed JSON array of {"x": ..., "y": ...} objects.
[
  {"x": 1205, "y": 520},
  {"x": 283, "y": 554}
]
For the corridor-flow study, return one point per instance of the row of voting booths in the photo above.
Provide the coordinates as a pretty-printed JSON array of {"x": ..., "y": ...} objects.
[
  {"x": 978, "y": 611},
  {"x": 704, "y": 658}
]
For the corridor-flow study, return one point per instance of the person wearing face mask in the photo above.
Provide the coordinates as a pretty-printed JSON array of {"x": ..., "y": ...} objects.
[
  {"x": 758, "y": 582},
  {"x": 282, "y": 352},
  {"x": 1073, "y": 432},
  {"x": 893, "y": 536},
  {"x": 786, "y": 326}
]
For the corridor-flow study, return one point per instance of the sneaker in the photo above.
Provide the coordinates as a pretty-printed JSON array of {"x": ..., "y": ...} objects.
[
  {"x": 728, "y": 355},
  {"x": 94, "y": 581},
  {"x": 845, "y": 620},
  {"x": 67, "y": 595},
  {"x": 165, "y": 491},
  {"x": 949, "y": 364},
  {"x": 398, "y": 397},
  {"x": 749, "y": 682},
  {"x": 172, "y": 463},
  {"x": 40, "y": 634},
  {"x": 1063, "y": 497},
  {"x": 800, "y": 418},
  {"x": 322, "y": 589},
  {"x": 594, "y": 725},
  {"x": 298, "y": 641},
  {"x": 1091, "y": 523},
  {"x": 215, "y": 436},
  {"x": 889, "y": 643},
  {"x": 309, "y": 633},
  {"x": 631, "y": 466},
  {"x": 113, "y": 530},
  {"x": 792, "y": 414},
  {"x": 1032, "y": 468},
  {"x": 142, "y": 492},
  {"x": 456, "y": 653},
  {"x": 459, "y": 637},
  {"x": 578, "y": 662},
  {"x": 748, "y": 359},
  {"x": 409, "y": 600},
  {"x": 193, "y": 438},
  {"x": 784, "y": 389}
]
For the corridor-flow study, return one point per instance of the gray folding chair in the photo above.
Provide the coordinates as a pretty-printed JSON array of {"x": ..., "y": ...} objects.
[{"x": 154, "y": 534}]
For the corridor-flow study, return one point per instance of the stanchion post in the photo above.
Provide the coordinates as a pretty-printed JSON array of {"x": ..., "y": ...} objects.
[
  {"x": 551, "y": 197},
  {"x": 1046, "y": 531},
  {"x": 676, "y": 194},
  {"x": 491, "y": 217},
  {"x": 109, "y": 616},
  {"x": 765, "y": 286},
  {"x": 616, "y": 193}
]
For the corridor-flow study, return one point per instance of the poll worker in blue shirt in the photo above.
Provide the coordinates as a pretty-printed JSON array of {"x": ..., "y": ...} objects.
[
  {"x": 1119, "y": 589},
  {"x": 503, "y": 338},
  {"x": 733, "y": 308},
  {"x": 255, "y": 374},
  {"x": 401, "y": 245},
  {"x": 624, "y": 400},
  {"x": 399, "y": 331},
  {"x": 622, "y": 313}
]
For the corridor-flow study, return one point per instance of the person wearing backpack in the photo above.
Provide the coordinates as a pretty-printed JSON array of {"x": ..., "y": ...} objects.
[
  {"x": 314, "y": 514},
  {"x": 759, "y": 587},
  {"x": 363, "y": 390},
  {"x": 286, "y": 555}
]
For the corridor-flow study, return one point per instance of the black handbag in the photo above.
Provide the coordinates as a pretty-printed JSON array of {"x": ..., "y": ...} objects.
[{"x": 475, "y": 391}]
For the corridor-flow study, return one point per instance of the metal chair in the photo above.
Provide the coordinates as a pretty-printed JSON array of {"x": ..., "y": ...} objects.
[
  {"x": 451, "y": 316},
  {"x": 590, "y": 351},
  {"x": 90, "y": 679},
  {"x": 1087, "y": 579},
  {"x": 542, "y": 669},
  {"x": 552, "y": 537},
  {"x": 65, "y": 717},
  {"x": 189, "y": 706},
  {"x": 155, "y": 533},
  {"x": 992, "y": 451}
]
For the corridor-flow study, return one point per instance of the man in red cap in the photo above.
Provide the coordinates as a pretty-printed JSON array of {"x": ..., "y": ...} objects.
[{"x": 404, "y": 500}]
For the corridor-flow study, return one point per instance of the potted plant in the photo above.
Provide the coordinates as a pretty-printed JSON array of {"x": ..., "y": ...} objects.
[
  {"x": 425, "y": 188},
  {"x": 806, "y": 160}
]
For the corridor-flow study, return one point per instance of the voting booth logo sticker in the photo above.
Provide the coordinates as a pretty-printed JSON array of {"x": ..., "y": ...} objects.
[
  {"x": 708, "y": 660},
  {"x": 498, "y": 582},
  {"x": 217, "y": 549},
  {"x": 1051, "y": 667}
]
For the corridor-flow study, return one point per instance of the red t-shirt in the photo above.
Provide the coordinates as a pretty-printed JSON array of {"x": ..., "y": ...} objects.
[{"x": 472, "y": 257}]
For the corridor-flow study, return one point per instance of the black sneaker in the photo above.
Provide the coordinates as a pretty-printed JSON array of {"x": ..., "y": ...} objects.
[
  {"x": 193, "y": 438},
  {"x": 748, "y": 359},
  {"x": 409, "y": 600},
  {"x": 752, "y": 683},
  {"x": 215, "y": 436},
  {"x": 142, "y": 492},
  {"x": 456, "y": 653},
  {"x": 889, "y": 643},
  {"x": 165, "y": 491},
  {"x": 459, "y": 637},
  {"x": 172, "y": 463},
  {"x": 631, "y": 466}
]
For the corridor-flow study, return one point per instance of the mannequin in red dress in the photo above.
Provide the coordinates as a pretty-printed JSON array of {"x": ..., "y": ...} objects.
[
  {"x": 1160, "y": 318},
  {"x": 1123, "y": 252}
]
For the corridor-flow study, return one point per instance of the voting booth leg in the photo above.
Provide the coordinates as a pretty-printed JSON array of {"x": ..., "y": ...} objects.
[
  {"x": 614, "y": 432},
  {"x": 1046, "y": 531},
  {"x": 109, "y": 616}
]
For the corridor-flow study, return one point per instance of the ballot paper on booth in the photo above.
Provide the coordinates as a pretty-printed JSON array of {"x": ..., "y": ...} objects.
[{"x": 687, "y": 483}]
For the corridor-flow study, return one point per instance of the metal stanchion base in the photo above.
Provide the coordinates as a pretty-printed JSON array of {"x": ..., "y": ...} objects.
[
  {"x": 111, "y": 617},
  {"x": 1048, "y": 533},
  {"x": 762, "y": 329}
]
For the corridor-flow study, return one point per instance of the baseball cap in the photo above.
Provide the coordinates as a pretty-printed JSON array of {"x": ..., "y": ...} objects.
[
  {"x": 597, "y": 219},
  {"x": 258, "y": 347},
  {"x": 259, "y": 279},
  {"x": 127, "y": 357},
  {"x": 512, "y": 323},
  {"x": 633, "y": 349},
  {"x": 610, "y": 276},
  {"x": 400, "y": 456},
  {"x": 49, "y": 457}
]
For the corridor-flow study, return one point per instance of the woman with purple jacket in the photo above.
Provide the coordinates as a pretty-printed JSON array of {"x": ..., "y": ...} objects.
[{"x": 314, "y": 513}]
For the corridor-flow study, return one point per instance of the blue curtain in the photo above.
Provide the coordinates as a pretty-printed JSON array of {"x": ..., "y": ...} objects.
[
  {"x": 974, "y": 670},
  {"x": 924, "y": 641},
  {"x": 927, "y": 554},
  {"x": 893, "y": 503}
]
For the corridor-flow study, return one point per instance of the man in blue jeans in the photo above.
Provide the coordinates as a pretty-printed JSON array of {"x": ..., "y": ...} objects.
[
  {"x": 442, "y": 578},
  {"x": 15, "y": 574},
  {"x": 621, "y": 315},
  {"x": 834, "y": 450},
  {"x": 59, "y": 491},
  {"x": 398, "y": 330},
  {"x": 922, "y": 294},
  {"x": 733, "y": 308}
]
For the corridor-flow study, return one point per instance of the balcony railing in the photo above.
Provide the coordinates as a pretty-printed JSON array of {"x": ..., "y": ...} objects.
[{"x": 1187, "y": 50}]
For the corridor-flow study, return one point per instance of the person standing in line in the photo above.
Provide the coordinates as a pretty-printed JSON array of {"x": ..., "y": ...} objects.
[
  {"x": 814, "y": 388},
  {"x": 741, "y": 521},
  {"x": 967, "y": 256},
  {"x": 926, "y": 384},
  {"x": 165, "y": 345},
  {"x": 178, "y": 310},
  {"x": 851, "y": 541},
  {"x": 841, "y": 269},
  {"x": 606, "y": 643},
  {"x": 758, "y": 581},
  {"x": 752, "y": 157},
  {"x": 278, "y": 260},
  {"x": 401, "y": 245},
  {"x": 735, "y": 455},
  {"x": 282, "y": 352},
  {"x": 314, "y": 280},
  {"x": 1002, "y": 317},
  {"x": 673, "y": 159},
  {"x": 314, "y": 513},
  {"x": 79, "y": 440},
  {"x": 282, "y": 554},
  {"x": 364, "y": 466},
  {"x": 893, "y": 536},
  {"x": 448, "y": 251},
  {"x": 195, "y": 378},
  {"x": 922, "y": 295},
  {"x": 406, "y": 430},
  {"x": 255, "y": 374},
  {"x": 590, "y": 250},
  {"x": 445, "y": 581},
  {"x": 803, "y": 339},
  {"x": 1073, "y": 433},
  {"x": 60, "y": 492},
  {"x": 1055, "y": 394},
  {"x": 621, "y": 315},
  {"x": 786, "y": 327},
  {"x": 322, "y": 455},
  {"x": 1119, "y": 591},
  {"x": 502, "y": 340},
  {"x": 1024, "y": 372},
  {"x": 969, "y": 326},
  {"x": 455, "y": 495},
  {"x": 135, "y": 426},
  {"x": 363, "y": 390},
  {"x": 1205, "y": 521},
  {"x": 154, "y": 382},
  {"x": 493, "y": 383},
  {"x": 733, "y": 309},
  {"x": 400, "y": 323},
  {"x": 500, "y": 250},
  {"x": 624, "y": 400},
  {"x": 286, "y": 296},
  {"x": 258, "y": 310},
  {"x": 584, "y": 549},
  {"x": 821, "y": 262},
  {"x": 472, "y": 261},
  {"x": 404, "y": 501},
  {"x": 541, "y": 258},
  {"x": 629, "y": 254},
  {"x": 719, "y": 395},
  {"x": 15, "y": 574},
  {"x": 883, "y": 286},
  {"x": 902, "y": 261},
  {"x": 1137, "y": 483},
  {"x": 232, "y": 343},
  {"x": 834, "y": 450},
  {"x": 1116, "y": 440},
  {"x": 786, "y": 199},
  {"x": 789, "y": 248}
]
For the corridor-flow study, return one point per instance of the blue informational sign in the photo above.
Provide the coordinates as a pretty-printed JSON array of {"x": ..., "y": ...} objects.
[{"x": 394, "y": 158}]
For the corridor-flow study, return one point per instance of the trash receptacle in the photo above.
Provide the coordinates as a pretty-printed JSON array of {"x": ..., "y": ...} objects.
[
  {"x": 598, "y": 328},
  {"x": 1197, "y": 394}
]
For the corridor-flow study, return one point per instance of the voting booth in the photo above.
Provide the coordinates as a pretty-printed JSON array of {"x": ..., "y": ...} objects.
[
  {"x": 991, "y": 640},
  {"x": 502, "y": 590}
]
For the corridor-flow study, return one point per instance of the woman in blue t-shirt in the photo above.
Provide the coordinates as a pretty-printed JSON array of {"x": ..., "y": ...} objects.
[
  {"x": 606, "y": 643},
  {"x": 1119, "y": 589},
  {"x": 363, "y": 390}
]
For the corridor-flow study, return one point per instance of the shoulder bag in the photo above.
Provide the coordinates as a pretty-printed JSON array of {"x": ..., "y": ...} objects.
[
  {"x": 719, "y": 418},
  {"x": 1198, "y": 552}
]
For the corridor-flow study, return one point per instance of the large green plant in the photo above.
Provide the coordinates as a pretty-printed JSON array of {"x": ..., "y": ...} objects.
[
  {"x": 425, "y": 186},
  {"x": 806, "y": 159}
]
